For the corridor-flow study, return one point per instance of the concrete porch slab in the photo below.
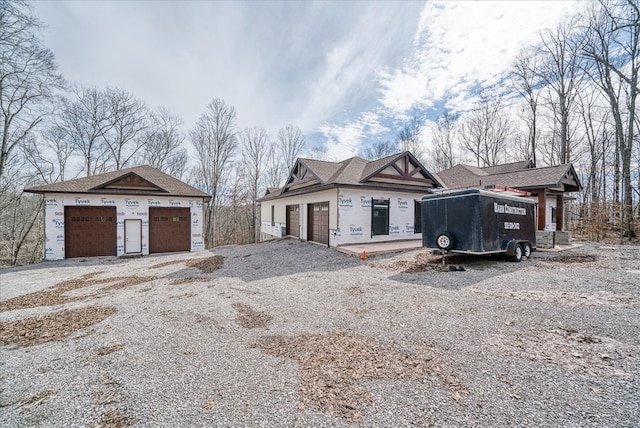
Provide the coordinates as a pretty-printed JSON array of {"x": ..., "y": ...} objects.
[
  {"x": 380, "y": 247},
  {"x": 559, "y": 248}
]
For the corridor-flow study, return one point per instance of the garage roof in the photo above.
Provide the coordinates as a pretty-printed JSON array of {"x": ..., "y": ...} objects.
[{"x": 138, "y": 180}]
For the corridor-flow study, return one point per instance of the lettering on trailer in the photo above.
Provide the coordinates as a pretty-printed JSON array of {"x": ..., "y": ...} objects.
[
  {"x": 511, "y": 225},
  {"x": 508, "y": 209}
]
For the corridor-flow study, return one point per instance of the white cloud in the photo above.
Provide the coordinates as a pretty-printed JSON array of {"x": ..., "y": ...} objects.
[{"x": 458, "y": 47}]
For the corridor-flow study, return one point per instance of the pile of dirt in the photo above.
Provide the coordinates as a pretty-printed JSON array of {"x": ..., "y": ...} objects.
[
  {"x": 424, "y": 261},
  {"x": 56, "y": 295},
  {"x": 114, "y": 418},
  {"x": 205, "y": 265},
  {"x": 32, "y": 400},
  {"x": 106, "y": 350},
  {"x": 248, "y": 318},
  {"x": 573, "y": 258},
  {"x": 419, "y": 263},
  {"x": 50, "y": 327},
  {"x": 563, "y": 298},
  {"x": 332, "y": 364},
  {"x": 188, "y": 280},
  {"x": 581, "y": 352},
  {"x": 208, "y": 265},
  {"x": 167, "y": 263}
]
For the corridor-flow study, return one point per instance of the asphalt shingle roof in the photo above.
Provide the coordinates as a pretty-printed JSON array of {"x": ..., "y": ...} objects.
[
  {"x": 463, "y": 176},
  {"x": 171, "y": 186},
  {"x": 350, "y": 172}
]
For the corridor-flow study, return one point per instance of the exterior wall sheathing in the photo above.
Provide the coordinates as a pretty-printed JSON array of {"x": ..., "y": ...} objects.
[{"x": 127, "y": 208}]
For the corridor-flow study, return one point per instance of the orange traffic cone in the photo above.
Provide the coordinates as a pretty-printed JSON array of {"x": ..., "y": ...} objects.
[{"x": 363, "y": 256}]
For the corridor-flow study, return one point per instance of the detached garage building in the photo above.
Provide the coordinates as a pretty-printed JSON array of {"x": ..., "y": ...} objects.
[{"x": 138, "y": 210}]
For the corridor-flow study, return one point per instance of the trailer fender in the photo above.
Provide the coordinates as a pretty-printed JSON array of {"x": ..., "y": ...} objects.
[{"x": 511, "y": 247}]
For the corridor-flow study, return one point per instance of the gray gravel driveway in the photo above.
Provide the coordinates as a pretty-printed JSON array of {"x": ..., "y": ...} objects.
[{"x": 287, "y": 333}]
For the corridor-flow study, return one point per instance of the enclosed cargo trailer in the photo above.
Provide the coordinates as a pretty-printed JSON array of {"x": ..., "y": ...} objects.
[{"x": 479, "y": 222}]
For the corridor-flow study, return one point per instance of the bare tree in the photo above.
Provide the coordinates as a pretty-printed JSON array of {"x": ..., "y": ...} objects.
[
  {"x": 87, "y": 119},
  {"x": 255, "y": 144},
  {"x": 164, "y": 144},
  {"x": 275, "y": 167},
  {"x": 485, "y": 132},
  {"x": 291, "y": 141},
  {"x": 318, "y": 153},
  {"x": 21, "y": 236},
  {"x": 129, "y": 121},
  {"x": 408, "y": 139},
  {"x": 49, "y": 154},
  {"x": 444, "y": 133},
  {"x": 613, "y": 46},
  {"x": 379, "y": 149},
  {"x": 525, "y": 81},
  {"x": 214, "y": 140},
  {"x": 559, "y": 70},
  {"x": 28, "y": 76}
]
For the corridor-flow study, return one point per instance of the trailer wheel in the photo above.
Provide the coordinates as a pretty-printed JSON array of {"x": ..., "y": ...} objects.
[
  {"x": 445, "y": 241},
  {"x": 517, "y": 253},
  {"x": 526, "y": 250}
]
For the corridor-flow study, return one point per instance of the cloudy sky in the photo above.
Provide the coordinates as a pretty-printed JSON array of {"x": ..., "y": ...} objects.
[{"x": 347, "y": 73}]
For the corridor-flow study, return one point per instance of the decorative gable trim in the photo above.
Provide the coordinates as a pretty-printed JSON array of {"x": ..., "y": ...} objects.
[
  {"x": 570, "y": 179},
  {"x": 130, "y": 181},
  {"x": 301, "y": 176},
  {"x": 404, "y": 169}
]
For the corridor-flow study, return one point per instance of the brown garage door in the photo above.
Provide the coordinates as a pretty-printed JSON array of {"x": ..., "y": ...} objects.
[
  {"x": 293, "y": 220},
  {"x": 169, "y": 230},
  {"x": 89, "y": 231},
  {"x": 319, "y": 223}
]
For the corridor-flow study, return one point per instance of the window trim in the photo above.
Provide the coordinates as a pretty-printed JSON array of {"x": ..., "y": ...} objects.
[{"x": 386, "y": 203}]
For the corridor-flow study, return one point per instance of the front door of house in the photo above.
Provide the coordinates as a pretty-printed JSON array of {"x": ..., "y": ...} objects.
[{"x": 132, "y": 236}]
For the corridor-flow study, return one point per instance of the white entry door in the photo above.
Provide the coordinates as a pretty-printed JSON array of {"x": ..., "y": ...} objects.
[{"x": 132, "y": 236}]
